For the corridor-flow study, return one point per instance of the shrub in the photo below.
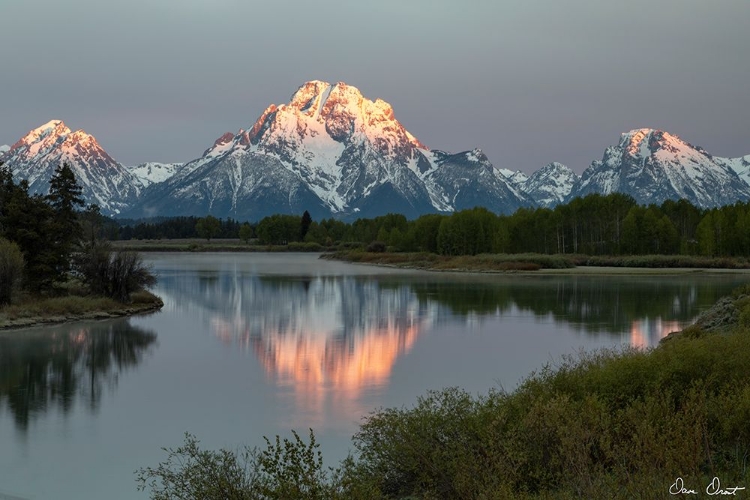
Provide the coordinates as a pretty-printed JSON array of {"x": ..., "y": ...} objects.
[
  {"x": 11, "y": 269},
  {"x": 114, "y": 274},
  {"x": 376, "y": 247},
  {"x": 310, "y": 246},
  {"x": 287, "y": 469}
]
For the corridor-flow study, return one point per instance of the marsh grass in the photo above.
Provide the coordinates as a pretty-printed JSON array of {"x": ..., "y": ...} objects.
[
  {"x": 215, "y": 245},
  {"x": 478, "y": 263},
  {"x": 532, "y": 262}
]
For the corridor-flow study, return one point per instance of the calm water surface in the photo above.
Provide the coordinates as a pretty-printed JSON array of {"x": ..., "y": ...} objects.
[{"x": 258, "y": 344}]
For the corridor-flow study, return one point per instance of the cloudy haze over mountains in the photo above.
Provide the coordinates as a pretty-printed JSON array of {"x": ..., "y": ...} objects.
[{"x": 527, "y": 82}]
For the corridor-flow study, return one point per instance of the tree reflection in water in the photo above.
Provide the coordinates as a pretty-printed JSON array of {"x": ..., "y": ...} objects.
[{"x": 43, "y": 370}]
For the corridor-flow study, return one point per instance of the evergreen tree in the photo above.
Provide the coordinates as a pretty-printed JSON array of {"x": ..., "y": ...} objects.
[
  {"x": 26, "y": 220},
  {"x": 304, "y": 225},
  {"x": 65, "y": 199}
]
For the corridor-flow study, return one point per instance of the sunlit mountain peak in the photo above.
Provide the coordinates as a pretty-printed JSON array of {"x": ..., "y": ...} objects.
[{"x": 104, "y": 181}]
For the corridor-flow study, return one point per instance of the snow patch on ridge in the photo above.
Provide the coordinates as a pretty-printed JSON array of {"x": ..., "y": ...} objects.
[{"x": 153, "y": 172}]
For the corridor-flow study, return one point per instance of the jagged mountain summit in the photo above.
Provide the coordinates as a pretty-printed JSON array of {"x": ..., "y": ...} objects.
[
  {"x": 653, "y": 166},
  {"x": 551, "y": 184},
  {"x": 330, "y": 151},
  {"x": 154, "y": 172},
  {"x": 104, "y": 181}
]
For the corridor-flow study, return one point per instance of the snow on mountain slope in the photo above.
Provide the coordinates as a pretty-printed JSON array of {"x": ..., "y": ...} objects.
[
  {"x": 349, "y": 153},
  {"x": 104, "y": 181},
  {"x": 551, "y": 184},
  {"x": 741, "y": 166},
  {"x": 516, "y": 178},
  {"x": 653, "y": 166},
  {"x": 467, "y": 180},
  {"x": 4, "y": 148},
  {"x": 153, "y": 172}
]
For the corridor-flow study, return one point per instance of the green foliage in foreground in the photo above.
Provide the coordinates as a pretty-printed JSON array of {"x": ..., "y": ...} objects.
[{"x": 612, "y": 424}]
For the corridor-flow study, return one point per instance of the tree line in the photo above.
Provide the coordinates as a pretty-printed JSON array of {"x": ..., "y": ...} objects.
[
  {"x": 44, "y": 240},
  {"x": 594, "y": 225},
  {"x": 597, "y": 224}
]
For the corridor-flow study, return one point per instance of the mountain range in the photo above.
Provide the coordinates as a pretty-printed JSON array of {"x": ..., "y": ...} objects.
[{"x": 335, "y": 153}]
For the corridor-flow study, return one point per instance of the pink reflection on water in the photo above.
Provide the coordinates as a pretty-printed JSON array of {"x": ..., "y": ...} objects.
[
  {"x": 647, "y": 333},
  {"x": 327, "y": 375}
]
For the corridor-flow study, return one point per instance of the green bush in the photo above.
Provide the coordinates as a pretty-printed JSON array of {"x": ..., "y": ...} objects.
[{"x": 287, "y": 469}]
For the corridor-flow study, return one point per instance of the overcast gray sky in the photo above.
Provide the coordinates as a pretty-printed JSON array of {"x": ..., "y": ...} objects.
[{"x": 528, "y": 81}]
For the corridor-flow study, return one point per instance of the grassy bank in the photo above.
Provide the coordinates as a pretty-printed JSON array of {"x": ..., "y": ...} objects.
[
  {"x": 615, "y": 424},
  {"x": 31, "y": 311},
  {"x": 202, "y": 245},
  {"x": 431, "y": 261},
  {"x": 533, "y": 262}
]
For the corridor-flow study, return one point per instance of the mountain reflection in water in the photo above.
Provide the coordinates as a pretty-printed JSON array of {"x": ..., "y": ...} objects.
[
  {"x": 326, "y": 339},
  {"x": 47, "y": 368},
  {"x": 331, "y": 338}
]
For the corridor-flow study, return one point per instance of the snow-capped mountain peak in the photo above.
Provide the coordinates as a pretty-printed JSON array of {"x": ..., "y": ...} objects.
[
  {"x": 4, "y": 148},
  {"x": 37, "y": 154},
  {"x": 636, "y": 142},
  {"x": 653, "y": 166},
  {"x": 551, "y": 184},
  {"x": 51, "y": 128},
  {"x": 335, "y": 152}
]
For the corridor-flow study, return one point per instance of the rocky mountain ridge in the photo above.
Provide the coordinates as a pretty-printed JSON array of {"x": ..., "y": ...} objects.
[
  {"x": 653, "y": 166},
  {"x": 332, "y": 152},
  {"x": 335, "y": 153}
]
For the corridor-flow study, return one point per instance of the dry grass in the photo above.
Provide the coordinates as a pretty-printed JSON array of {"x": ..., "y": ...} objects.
[
  {"x": 53, "y": 309},
  {"x": 475, "y": 263}
]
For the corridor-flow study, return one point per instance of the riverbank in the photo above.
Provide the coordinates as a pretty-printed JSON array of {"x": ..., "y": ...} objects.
[
  {"x": 34, "y": 312},
  {"x": 545, "y": 264}
]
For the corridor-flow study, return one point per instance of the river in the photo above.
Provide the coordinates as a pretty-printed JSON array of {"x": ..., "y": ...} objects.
[{"x": 253, "y": 345}]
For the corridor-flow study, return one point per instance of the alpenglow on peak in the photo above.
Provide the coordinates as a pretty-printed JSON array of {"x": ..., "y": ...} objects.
[
  {"x": 37, "y": 154},
  {"x": 334, "y": 152}
]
